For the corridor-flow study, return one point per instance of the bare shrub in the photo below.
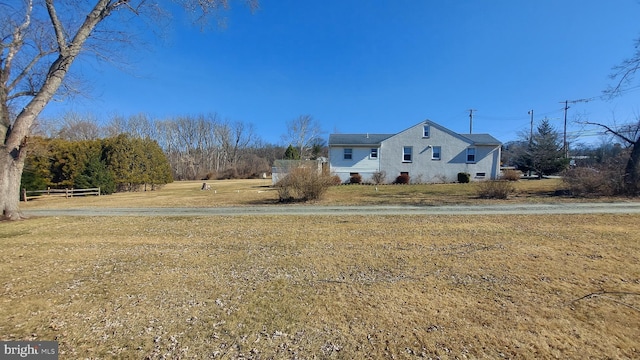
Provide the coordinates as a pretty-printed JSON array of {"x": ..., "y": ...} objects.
[
  {"x": 379, "y": 177},
  {"x": 335, "y": 180},
  {"x": 511, "y": 175},
  {"x": 402, "y": 179},
  {"x": 303, "y": 184},
  {"x": 495, "y": 189},
  {"x": 355, "y": 179},
  {"x": 591, "y": 182},
  {"x": 228, "y": 174},
  {"x": 441, "y": 178}
]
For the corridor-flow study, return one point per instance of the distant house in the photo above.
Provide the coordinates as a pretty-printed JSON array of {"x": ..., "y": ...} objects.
[{"x": 427, "y": 152}]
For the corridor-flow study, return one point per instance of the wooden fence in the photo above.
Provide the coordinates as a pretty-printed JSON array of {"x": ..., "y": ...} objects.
[{"x": 67, "y": 193}]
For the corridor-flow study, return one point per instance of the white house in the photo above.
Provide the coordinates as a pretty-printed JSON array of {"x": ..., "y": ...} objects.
[{"x": 427, "y": 152}]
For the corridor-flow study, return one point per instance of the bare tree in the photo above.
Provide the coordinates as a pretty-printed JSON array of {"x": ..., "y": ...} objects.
[
  {"x": 302, "y": 132},
  {"x": 630, "y": 135},
  {"x": 624, "y": 73},
  {"x": 76, "y": 127},
  {"x": 39, "y": 41}
]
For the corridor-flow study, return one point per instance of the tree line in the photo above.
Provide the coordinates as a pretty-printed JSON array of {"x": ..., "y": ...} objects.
[
  {"x": 120, "y": 163},
  {"x": 196, "y": 147}
]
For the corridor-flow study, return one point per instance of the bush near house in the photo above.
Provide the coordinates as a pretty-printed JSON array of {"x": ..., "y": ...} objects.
[
  {"x": 355, "y": 179},
  {"x": 464, "y": 177},
  {"x": 402, "y": 179},
  {"x": 379, "y": 177},
  {"x": 303, "y": 184}
]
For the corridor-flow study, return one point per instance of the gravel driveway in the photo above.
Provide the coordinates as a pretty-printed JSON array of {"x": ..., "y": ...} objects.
[{"x": 310, "y": 210}]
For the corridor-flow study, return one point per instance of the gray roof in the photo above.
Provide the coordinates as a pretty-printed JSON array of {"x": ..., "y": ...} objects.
[
  {"x": 357, "y": 139},
  {"x": 482, "y": 139}
]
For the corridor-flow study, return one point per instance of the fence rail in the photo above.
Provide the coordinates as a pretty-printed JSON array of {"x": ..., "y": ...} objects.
[{"x": 67, "y": 193}]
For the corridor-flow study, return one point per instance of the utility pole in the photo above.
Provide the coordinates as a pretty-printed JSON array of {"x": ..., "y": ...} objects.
[
  {"x": 531, "y": 130},
  {"x": 565, "y": 147},
  {"x": 471, "y": 120},
  {"x": 566, "y": 107}
]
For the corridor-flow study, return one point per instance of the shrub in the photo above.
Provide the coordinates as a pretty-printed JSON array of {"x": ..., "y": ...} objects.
[
  {"x": 511, "y": 175},
  {"x": 464, "y": 177},
  {"x": 229, "y": 174},
  {"x": 335, "y": 180},
  {"x": 355, "y": 179},
  {"x": 379, "y": 177},
  {"x": 495, "y": 189},
  {"x": 587, "y": 182},
  {"x": 303, "y": 184},
  {"x": 402, "y": 179}
]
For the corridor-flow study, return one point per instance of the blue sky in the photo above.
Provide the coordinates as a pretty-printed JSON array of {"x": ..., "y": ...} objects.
[{"x": 381, "y": 66}]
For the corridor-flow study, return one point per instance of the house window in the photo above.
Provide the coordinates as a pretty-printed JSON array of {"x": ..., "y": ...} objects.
[
  {"x": 426, "y": 131},
  {"x": 407, "y": 152},
  {"x": 348, "y": 154},
  {"x": 481, "y": 175},
  {"x": 435, "y": 155},
  {"x": 471, "y": 155},
  {"x": 374, "y": 154}
]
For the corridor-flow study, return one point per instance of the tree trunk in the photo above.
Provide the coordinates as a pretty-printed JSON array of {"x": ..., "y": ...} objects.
[
  {"x": 11, "y": 165},
  {"x": 632, "y": 176}
]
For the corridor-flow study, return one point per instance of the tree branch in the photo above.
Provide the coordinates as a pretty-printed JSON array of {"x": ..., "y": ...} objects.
[
  {"x": 610, "y": 130},
  {"x": 625, "y": 71},
  {"x": 25, "y": 72},
  {"x": 16, "y": 43},
  {"x": 57, "y": 26}
]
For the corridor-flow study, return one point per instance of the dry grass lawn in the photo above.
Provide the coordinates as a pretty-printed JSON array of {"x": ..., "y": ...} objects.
[
  {"x": 305, "y": 287},
  {"x": 260, "y": 192},
  {"x": 325, "y": 287}
]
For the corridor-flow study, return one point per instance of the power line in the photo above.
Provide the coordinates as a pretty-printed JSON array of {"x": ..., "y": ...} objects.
[{"x": 566, "y": 108}]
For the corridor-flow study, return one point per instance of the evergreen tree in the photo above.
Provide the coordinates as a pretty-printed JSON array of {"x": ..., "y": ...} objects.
[
  {"x": 96, "y": 174},
  {"x": 545, "y": 153},
  {"x": 291, "y": 153},
  {"x": 36, "y": 174},
  {"x": 157, "y": 168}
]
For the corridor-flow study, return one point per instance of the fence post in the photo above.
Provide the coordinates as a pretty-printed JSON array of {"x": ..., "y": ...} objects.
[
  {"x": 24, "y": 194},
  {"x": 98, "y": 190},
  {"x": 66, "y": 193}
]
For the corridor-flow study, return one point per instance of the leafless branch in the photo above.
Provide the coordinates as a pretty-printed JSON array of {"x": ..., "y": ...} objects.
[
  {"x": 57, "y": 26},
  {"x": 611, "y": 131},
  {"x": 625, "y": 72}
]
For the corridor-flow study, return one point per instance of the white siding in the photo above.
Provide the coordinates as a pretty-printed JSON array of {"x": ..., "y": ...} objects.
[
  {"x": 423, "y": 168},
  {"x": 360, "y": 162}
]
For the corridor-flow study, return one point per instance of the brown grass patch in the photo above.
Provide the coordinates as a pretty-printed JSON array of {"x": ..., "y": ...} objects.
[
  {"x": 353, "y": 287},
  {"x": 260, "y": 192}
]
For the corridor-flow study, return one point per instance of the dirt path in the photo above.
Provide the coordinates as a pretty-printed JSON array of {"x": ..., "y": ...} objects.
[{"x": 310, "y": 210}]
